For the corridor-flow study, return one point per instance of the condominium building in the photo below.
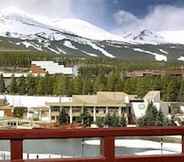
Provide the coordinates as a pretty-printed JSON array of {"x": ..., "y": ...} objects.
[
  {"x": 102, "y": 103},
  {"x": 97, "y": 105},
  {"x": 41, "y": 68},
  {"x": 47, "y": 108}
]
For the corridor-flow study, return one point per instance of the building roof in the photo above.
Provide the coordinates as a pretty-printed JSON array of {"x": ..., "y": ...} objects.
[
  {"x": 16, "y": 75},
  {"x": 152, "y": 96},
  {"x": 101, "y": 99},
  {"x": 53, "y": 68},
  {"x": 32, "y": 101}
]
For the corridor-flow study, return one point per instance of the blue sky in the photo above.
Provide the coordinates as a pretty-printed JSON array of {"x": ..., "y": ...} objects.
[
  {"x": 101, "y": 12},
  {"x": 112, "y": 15}
]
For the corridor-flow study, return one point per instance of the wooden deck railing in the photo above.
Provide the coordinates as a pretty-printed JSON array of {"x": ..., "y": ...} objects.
[{"x": 107, "y": 137}]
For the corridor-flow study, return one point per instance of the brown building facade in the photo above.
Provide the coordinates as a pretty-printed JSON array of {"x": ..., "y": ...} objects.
[{"x": 37, "y": 70}]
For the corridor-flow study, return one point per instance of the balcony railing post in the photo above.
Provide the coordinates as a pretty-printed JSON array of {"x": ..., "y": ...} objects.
[
  {"x": 107, "y": 148},
  {"x": 182, "y": 144},
  {"x": 16, "y": 149}
]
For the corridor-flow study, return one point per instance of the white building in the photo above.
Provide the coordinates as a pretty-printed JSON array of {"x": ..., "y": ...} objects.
[
  {"x": 139, "y": 107},
  {"x": 40, "y": 68},
  {"x": 36, "y": 105}
]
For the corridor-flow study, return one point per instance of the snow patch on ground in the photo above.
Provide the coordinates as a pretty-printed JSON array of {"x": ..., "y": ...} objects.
[
  {"x": 53, "y": 50},
  {"x": 142, "y": 144},
  {"x": 90, "y": 54},
  {"x": 5, "y": 155},
  {"x": 163, "y": 51},
  {"x": 181, "y": 58},
  {"x": 158, "y": 57},
  {"x": 155, "y": 152},
  {"x": 69, "y": 45},
  {"x": 94, "y": 46},
  {"x": 61, "y": 50},
  {"x": 28, "y": 44}
]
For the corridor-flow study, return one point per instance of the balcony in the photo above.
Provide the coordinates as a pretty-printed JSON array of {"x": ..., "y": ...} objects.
[{"x": 107, "y": 146}]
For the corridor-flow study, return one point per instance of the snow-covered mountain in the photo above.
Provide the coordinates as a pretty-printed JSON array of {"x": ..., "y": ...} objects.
[
  {"x": 13, "y": 20},
  {"x": 174, "y": 37},
  {"x": 85, "y": 29},
  {"x": 145, "y": 37},
  {"x": 19, "y": 30},
  {"x": 150, "y": 37}
]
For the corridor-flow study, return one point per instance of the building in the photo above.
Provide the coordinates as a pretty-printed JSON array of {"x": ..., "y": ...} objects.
[
  {"x": 97, "y": 105},
  {"x": 41, "y": 68},
  {"x": 165, "y": 72},
  {"x": 35, "y": 105},
  {"x": 102, "y": 103},
  {"x": 16, "y": 123},
  {"x": 46, "y": 109},
  {"x": 5, "y": 109},
  {"x": 139, "y": 107}
]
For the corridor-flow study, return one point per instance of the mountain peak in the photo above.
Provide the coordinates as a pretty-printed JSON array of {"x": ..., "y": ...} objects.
[
  {"x": 146, "y": 32},
  {"x": 145, "y": 36}
]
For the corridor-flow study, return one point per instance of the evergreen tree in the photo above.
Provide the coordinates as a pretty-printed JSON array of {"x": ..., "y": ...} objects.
[
  {"x": 181, "y": 91},
  {"x": 77, "y": 86},
  {"x": 19, "y": 112},
  {"x": 47, "y": 85},
  {"x": 68, "y": 86},
  {"x": 40, "y": 87},
  {"x": 13, "y": 86},
  {"x": 86, "y": 118},
  {"x": 114, "y": 81},
  {"x": 153, "y": 117},
  {"x": 130, "y": 86},
  {"x": 31, "y": 85},
  {"x": 142, "y": 86},
  {"x": 123, "y": 121},
  {"x": 87, "y": 87},
  {"x": 99, "y": 84},
  {"x": 58, "y": 86},
  {"x": 100, "y": 122},
  {"x": 108, "y": 120},
  {"x": 115, "y": 121},
  {"x": 63, "y": 117},
  {"x": 22, "y": 88},
  {"x": 161, "y": 119},
  {"x": 2, "y": 84},
  {"x": 170, "y": 91}
]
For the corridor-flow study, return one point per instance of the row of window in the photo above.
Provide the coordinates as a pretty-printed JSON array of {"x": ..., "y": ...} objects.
[{"x": 57, "y": 109}]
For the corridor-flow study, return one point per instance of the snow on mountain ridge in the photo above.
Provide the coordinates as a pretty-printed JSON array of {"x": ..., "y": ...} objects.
[
  {"x": 14, "y": 20},
  {"x": 155, "y": 37},
  {"x": 18, "y": 22},
  {"x": 173, "y": 37},
  {"x": 14, "y": 14},
  {"x": 85, "y": 29},
  {"x": 145, "y": 37}
]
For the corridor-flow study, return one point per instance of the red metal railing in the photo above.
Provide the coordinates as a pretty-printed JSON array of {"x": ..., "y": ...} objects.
[{"x": 16, "y": 138}]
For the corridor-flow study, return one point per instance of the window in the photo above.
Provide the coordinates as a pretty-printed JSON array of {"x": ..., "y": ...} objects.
[{"x": 55, "y": 109}]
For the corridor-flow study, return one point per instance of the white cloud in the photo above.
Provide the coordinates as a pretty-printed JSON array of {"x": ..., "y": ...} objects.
[
  {"x": 90, "y": 10},
  {"x": 125, "y": 20},
  {"x": 49, "y": 8},
  {"x": 125, "y": 17},
  {"x": 159, "y": 18}
]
